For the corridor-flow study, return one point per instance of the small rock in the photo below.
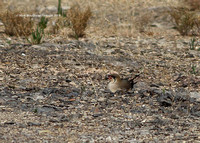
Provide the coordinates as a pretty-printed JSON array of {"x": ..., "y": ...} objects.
[
  {"x": 141, "y": 85},
  {"x": 109, "y": 139},
  {"x": 45, "y": 109},
  {"x": 195, "y": 95},
  {"x": 9, "y": 123},
  {"x": 44, "y": 132},
  {"x": 101, "y": 99},
  {"x": 33, "y": 124},
  {"x": 165, "y": 99},
  {"x": 64, "y": 119},
  {"x": 38, "y": 96}
]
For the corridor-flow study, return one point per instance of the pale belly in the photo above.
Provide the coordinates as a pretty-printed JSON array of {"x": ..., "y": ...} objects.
[{"x": 113, "y": 87}]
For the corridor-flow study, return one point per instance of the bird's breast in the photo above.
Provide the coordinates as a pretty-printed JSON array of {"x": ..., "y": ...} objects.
[{"x": 113, "y": 87}]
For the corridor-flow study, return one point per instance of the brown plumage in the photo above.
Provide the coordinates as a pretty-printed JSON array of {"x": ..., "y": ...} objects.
[{"x": 116, "y": 83}]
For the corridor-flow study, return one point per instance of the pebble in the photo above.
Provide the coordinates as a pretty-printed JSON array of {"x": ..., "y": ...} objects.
[{"x": 195, "y": 95}]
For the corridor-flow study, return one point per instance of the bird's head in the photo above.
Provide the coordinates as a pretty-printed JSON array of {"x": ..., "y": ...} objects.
[{"x": 113, "y": 77}]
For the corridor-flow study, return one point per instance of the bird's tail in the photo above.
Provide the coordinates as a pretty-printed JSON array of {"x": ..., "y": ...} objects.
[{"x": 133, "y": 80}]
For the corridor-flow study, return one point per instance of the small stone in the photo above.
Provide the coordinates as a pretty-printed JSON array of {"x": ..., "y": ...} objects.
[
  {"x": 44, "y": 109},
  {"x": 33, "y": 124},
  {"x": 101, "y": 99},
  {"x": 195, "y": 95},
  {"x": 64, "y": 119},
  {"x": 109, "y": 139}
]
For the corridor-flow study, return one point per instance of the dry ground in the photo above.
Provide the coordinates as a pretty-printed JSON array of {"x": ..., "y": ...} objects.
[{"x": 56, "y": 91}]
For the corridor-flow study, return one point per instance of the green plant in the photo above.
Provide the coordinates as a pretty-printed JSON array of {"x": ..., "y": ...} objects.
[
  {"x": 8, "y": 42},
  {"x": 35, "y": 110},
  {"x": 43, "y": 23},
  {"x": 39, "y": 32},
  {"x": 60, "y": 10},
  {"x": 193, "y": 70},
  {"x": 193, "y": 43},
  {"x": 164, "y": 90},
  {"x": 78, "y": 20},
  {"x": 36, "y": 36},
  {"x": 186, "y": 22}
]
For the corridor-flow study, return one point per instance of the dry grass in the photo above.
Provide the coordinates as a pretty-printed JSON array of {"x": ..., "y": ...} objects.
[
  {"x": 142, "y": 22},
  {"x": 16, "y": 25},
  {"x": 109, "y": 18},
  {"x": 186, "y": 22},
  {"x": 79, "y": 20},
  {"x": 194, "y": 4}
]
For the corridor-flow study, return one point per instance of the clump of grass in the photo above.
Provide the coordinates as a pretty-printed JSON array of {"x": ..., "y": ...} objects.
[
  {"x": 193, "y": 43},
  {"x": 43, "y": 23},
  {"x": 186, "y": 22},
  {"x": 61, "y": 21},
  {"x": 16, "y": 25},
  {"x": 143, "y": 21},
  {"x": 78, "y": 20},
  {"x": 194, "y": 4},
  {"x": 38, "y": 34}
]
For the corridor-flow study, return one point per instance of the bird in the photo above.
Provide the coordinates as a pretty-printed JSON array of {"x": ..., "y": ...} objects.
[{"x": 119, "y": 84}]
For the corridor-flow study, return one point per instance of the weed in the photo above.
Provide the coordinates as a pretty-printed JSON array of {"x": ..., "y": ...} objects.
[
  {"x": 193, "y": 70},
  {"x": 78, "y": 20},
  {"x": 185, "y": 20},
  {"x": 35, "y": 110},
  {"x": 193, "y": 44},
  {"x": 8, "y": 42},
  {"x": 60, "y": 10},
  {"x": 59, "y": 23},
  {"x": 43, "y": 23},
  {"x": 39, "y": 32},
  {"x": 16, "y": 25},
  {"x": 37, "y": 36},
  {"x": 142, "y": 22},
  {"x": 164, "y": 91}
]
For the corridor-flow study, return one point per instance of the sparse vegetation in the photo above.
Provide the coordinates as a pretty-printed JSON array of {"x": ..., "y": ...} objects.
[
  {"x": 186, "y": 21},
  {"x": 43, "y": 23},
  {"x": 60, "y": 10},
  {"x": 16, "y": 25},
  {"x": 78, "y": 20},
  {"x": 39, "y": 32},
  {"x": 36, "y": 36},
  {"x": 193, "y": 43},
  {"x": 142, "y": 22},
  {"x": 193, "y": 69}
]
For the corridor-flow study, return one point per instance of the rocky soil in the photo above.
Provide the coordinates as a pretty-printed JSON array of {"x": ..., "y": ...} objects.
[{"x": 56, "y": 91}]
